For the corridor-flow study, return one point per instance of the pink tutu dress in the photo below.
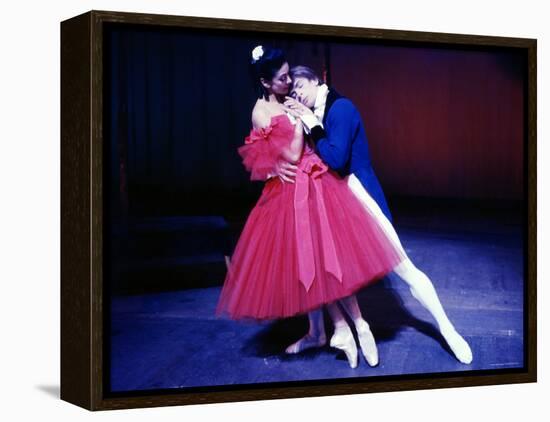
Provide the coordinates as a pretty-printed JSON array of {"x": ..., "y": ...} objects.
[{"x": 304, "y": 244}]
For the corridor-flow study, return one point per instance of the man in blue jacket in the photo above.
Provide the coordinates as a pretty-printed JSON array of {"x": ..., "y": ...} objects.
[
  {"x": 340, "y": 140},
  {"x": 347, "y": 149}
]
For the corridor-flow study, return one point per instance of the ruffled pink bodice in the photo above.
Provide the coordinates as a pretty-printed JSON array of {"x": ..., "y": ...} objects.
[{"x": 263, "y": 147}]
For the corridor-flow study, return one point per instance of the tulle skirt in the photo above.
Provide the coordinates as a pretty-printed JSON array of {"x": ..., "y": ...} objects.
[{"x": 263, "y": 281}]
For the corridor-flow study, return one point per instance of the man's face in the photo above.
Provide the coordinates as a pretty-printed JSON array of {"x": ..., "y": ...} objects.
[{"x": 305, "y": 91}]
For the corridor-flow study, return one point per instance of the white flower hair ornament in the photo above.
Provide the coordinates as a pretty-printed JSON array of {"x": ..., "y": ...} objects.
[{"x": 257, "y": 53}]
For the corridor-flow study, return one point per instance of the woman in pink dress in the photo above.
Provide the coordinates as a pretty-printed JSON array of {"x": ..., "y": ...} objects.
[{"x": 305, "y": 244}]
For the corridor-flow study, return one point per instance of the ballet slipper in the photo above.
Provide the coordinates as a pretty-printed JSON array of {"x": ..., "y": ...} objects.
[
  {"x": 306, "y": 342},
  {"x": 368, "y": 344},
  {"x": 343, "y": 340}
]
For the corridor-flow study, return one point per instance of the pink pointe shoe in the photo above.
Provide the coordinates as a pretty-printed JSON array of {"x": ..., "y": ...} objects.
[{"x": 343, "y": 340}]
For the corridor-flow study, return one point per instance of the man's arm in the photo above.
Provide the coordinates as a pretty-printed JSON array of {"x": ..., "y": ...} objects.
[{"x": 334, "y": 143}]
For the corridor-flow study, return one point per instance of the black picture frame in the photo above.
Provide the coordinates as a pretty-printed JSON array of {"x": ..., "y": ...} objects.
[{"x": 83, "y": 313}]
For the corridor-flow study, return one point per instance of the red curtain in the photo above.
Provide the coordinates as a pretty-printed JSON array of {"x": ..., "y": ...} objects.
[{"x": 440, "y": 122}]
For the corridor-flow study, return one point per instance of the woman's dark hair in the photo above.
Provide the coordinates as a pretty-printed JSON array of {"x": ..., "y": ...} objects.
[{"x": 266, "y": 67}]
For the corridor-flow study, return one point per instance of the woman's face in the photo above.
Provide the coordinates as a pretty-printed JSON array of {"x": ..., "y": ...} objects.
[
  {"x": 305, "y": 91},
  {"x": 280, "y": 84}
]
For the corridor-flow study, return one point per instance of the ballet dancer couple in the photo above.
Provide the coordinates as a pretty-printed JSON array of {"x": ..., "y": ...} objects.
[{"x": 321, "y": 229}]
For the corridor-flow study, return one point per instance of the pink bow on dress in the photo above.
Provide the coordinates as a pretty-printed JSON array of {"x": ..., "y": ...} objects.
[{"x": 311, "y": 167}]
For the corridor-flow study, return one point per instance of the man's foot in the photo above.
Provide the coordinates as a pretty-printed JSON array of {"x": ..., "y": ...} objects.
[
  {"x": 458, "y": 345},
  {"x": 367, "y": 343},
  {"x": 306, "y": 342}
]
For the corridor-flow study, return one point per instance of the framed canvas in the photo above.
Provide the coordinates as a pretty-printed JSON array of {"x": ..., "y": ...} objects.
[{"x": 182, "y": 280}]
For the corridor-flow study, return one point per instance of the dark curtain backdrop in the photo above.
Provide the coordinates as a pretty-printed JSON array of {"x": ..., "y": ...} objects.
[
  {"x": 440, "y": 122},
  {"x": 180, "y": 106}
]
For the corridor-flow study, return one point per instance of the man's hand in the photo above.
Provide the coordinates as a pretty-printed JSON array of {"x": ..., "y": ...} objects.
[
  {"x": 296, "y": 108},
  {"x": 285, "y": 171}
]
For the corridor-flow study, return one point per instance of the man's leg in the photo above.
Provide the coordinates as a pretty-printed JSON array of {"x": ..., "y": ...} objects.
[
  {"x": 423, "y": 290},
  {"x": 420, "y": 285}
]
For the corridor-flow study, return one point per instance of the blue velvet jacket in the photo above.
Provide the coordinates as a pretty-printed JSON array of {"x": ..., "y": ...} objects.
[{"x": 343, "y": 145}]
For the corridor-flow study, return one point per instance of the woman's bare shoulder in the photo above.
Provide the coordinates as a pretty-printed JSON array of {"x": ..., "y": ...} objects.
[{"x": 261, "y": 114}]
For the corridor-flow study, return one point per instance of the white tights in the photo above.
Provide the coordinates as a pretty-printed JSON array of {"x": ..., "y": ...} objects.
[{"x": 420, "y": 286}]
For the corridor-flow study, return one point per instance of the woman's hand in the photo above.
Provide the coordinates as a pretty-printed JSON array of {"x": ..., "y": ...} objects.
[{"x": 296, "y": 108}]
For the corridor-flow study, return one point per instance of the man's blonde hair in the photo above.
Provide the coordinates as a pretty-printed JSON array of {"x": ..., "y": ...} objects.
[{"x": 304, "y": 72}]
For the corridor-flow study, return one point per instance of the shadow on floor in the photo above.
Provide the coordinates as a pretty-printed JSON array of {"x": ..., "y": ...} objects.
[{"x": 381, "y": 306}]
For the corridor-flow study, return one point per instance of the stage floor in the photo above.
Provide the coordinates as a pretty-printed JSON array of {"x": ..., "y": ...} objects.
[{"x": 173, "y": 339}]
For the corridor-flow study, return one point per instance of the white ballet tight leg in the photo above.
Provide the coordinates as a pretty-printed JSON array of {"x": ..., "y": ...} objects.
[
  {"x": 423, "y": 290},
  {"x": 364, "y": 334},
  {"x": 351, "y": 307},
  {"x": 342, "y": 338},
  {"x": 316, "y": 337},
  {"x": 420, "y": 285}
]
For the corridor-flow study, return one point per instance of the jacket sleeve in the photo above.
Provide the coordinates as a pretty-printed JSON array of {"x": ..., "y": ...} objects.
[{"x": 333, "y": 144}]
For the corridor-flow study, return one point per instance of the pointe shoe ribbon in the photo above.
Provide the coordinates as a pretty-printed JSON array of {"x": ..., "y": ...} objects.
[{"x": 310, "y": 168}]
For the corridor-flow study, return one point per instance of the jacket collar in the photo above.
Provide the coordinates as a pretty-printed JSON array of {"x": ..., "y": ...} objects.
[{"x": 332, "y": 96}]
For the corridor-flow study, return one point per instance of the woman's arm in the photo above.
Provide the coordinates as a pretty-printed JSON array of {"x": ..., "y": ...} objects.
[
  {"x": 261, "y": 119},
  {"x": 294, "y": 151}
]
